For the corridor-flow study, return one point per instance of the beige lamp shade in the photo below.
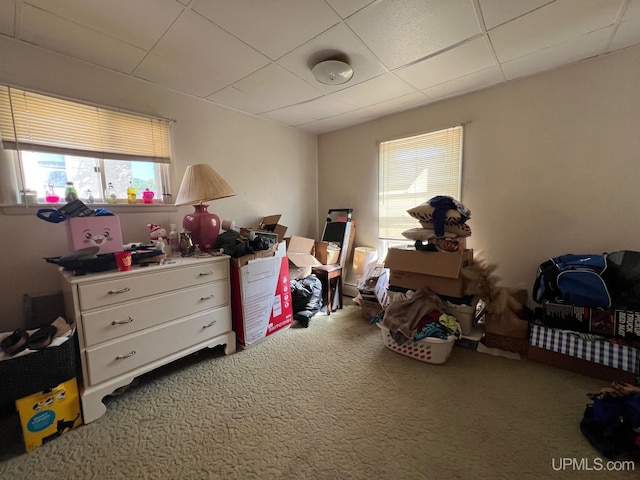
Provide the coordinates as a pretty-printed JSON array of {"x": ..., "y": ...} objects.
[
  {"x": 363, "y": 256},
  {"x": 201, "y": 183}
]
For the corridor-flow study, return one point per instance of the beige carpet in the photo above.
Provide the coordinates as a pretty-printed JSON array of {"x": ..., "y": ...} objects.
[{"x": 327, "y": 402}]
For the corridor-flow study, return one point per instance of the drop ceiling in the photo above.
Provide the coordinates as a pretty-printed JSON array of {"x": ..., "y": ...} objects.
[{"x": 255, "y": 56}]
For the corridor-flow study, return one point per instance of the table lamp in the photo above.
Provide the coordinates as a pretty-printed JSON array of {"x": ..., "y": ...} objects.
[
  {"x": 363, "y": 256},
  {"x": 201, "y": 183}
]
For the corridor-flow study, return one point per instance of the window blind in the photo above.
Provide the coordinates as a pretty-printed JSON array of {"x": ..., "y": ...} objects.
[
  {"x": 411, "y": 171},
  {"x": 31, "y": 121}
]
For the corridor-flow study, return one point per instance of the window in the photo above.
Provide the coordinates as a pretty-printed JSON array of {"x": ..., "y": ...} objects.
[
  {"x": 411, "y": 171},
  {"x": 50, "y": 141}
]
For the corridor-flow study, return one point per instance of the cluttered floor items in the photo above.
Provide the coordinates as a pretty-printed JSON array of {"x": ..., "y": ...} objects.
[
  {"x": 587, "y": 319},
  {"x": 611, "y": 423},
  {"x": 38, "y": 371},
  {"x": 418, "y": 296}
]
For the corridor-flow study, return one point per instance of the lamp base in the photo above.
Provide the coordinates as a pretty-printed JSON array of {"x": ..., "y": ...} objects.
[{"x": 204, "y": 227}]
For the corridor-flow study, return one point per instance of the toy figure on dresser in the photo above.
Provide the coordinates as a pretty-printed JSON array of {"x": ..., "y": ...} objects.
[{"x": 157, "y": 231}]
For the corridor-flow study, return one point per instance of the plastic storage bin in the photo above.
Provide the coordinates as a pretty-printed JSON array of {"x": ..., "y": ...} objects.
[
  {"x": 466, "y": 315},
  {"x": 429, "y": 350},
  {"x": 39, "y": 370}
]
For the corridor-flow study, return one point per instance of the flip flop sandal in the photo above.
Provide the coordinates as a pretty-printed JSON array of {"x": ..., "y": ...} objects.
[
  {"x": 42, "y": 338},
  {"x": 16, "y": 342}
]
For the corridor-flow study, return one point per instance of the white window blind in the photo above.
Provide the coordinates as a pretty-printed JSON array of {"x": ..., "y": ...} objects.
[
  {"x": 41, "y": 123},
  {"x": 411, "y": 171}
]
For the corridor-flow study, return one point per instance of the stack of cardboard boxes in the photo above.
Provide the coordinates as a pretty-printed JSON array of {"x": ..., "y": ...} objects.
[
  {"x": 373, "y": 290},
  {"x": 261, "y": 301},
  {"x": 439, "y": 272},
  {"x": 261, "y": 283},
  {"x": 306, "y": 253}
]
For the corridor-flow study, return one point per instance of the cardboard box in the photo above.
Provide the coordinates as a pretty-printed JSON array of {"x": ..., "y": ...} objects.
[
  {"x": 375, "y": 288},
  {"x": 45, "y": 416},
  {"x": 327, "y": 253},
  {"x": 508, "y": 323},
  {"x": 267, "y": 224},
  {"x": 370, "y": 308},
  {"x": 578, "y": 365},
  {"x": 261, "y": 302},
  {"x": 505, "y": 342},
  {"x": 301, "y": 259},
  {"x": 102, "y": 231},
  {"x": 615, "y": 356},
  {"x": 600, "y": 321},
  {"x": 437, "y": 271}
]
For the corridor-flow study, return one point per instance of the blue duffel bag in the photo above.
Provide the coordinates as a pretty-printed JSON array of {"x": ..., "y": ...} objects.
[{"x": 573, "y": 280}]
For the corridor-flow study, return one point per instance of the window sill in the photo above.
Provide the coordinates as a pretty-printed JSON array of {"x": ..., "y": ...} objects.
[{"x": 7, "y": 209}]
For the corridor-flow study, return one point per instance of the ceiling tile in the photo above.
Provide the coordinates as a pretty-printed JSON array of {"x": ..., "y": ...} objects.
[
  {"x": 170, "y": 74},
  {"x": 237, "y": 99},
  {"x": 288, "y": 117},
  {"x": 275, "y": 87},
  {"x": 275, "y": 27},
  {"x": 403, "y": 31},
  {"x": 571, "y": 51},
  {"x": 348, "y": 7},
  {"x": 475, "y": 81},
  {"x": 400, "y": 103},
  {"x": 339, "y": 121},
  {"x": 337, "y": 40},
  {"x": 140, "y": 23},
  {"x": 188, "y": 46},
  {"x": 48, "y": 31},
  {"x": 316, "y": 109},
  {"x": 7, "y": 13},
  {"x": 380, "y": 89},
  {"x": 628, "y": 32},
  {"x": 550, "y": 25},
  {"x": 497, "y": 12},
  {"x": 467, "y": 58}
]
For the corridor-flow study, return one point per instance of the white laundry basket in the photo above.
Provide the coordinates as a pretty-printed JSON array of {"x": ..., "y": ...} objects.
[{"x": 430, "y": 349}]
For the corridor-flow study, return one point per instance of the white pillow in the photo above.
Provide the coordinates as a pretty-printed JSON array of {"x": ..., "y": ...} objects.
[
  {"x": 424, "y": 213},
  {"x": 451, "y": 225},
  {"x": 424, "y": 234}
]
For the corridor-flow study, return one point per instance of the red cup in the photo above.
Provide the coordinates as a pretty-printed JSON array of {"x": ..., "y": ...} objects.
[{"x": 123, "y": 261}]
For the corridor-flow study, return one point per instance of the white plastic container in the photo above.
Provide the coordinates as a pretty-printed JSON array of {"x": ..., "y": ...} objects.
[
  {"x": 466, "y": 315},
  {"x": 429, "y": 350}
]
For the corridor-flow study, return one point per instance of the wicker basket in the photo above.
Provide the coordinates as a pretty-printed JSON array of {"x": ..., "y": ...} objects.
[
  {"x": 430, "y": 349},
  {"x": 37, "y": 371}
]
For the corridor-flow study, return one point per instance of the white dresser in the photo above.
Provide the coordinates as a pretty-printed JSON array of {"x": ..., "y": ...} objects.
[{"x": 132, "y": 322}]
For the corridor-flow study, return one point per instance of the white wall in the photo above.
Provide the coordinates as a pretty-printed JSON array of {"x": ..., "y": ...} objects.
[
  {"x": 272, "y": 168},
  {"x": 551, "y": 164}
]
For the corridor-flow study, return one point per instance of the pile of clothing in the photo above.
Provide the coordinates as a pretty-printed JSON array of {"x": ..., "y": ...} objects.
[
  {"x": 612, "y": 422},
  {"x": 417, "y": 315}
]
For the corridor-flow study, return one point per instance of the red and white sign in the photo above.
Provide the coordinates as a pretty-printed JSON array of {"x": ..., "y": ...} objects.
[{"x": 261, "y": 296}]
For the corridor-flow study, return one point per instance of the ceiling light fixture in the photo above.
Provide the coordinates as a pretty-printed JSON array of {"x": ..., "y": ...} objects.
[{"x": 332, "y": 72}]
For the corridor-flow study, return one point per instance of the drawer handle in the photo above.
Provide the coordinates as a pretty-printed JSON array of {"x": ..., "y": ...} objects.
[
  {"x": 208, "y": 297},
  {"x": 124, "y": 290},
  {"x": 130, "y": 354},
  {"x": 210, "y": 324},
  {"x": 205, "y": 274},
  {"x": 122, "y": 322}
]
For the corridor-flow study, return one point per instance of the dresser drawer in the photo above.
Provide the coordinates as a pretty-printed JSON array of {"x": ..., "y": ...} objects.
[
  {"x": 137, "y": 284},
  {"x": 130, "y": 317},
  {"x": 117, "y": 357}
]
